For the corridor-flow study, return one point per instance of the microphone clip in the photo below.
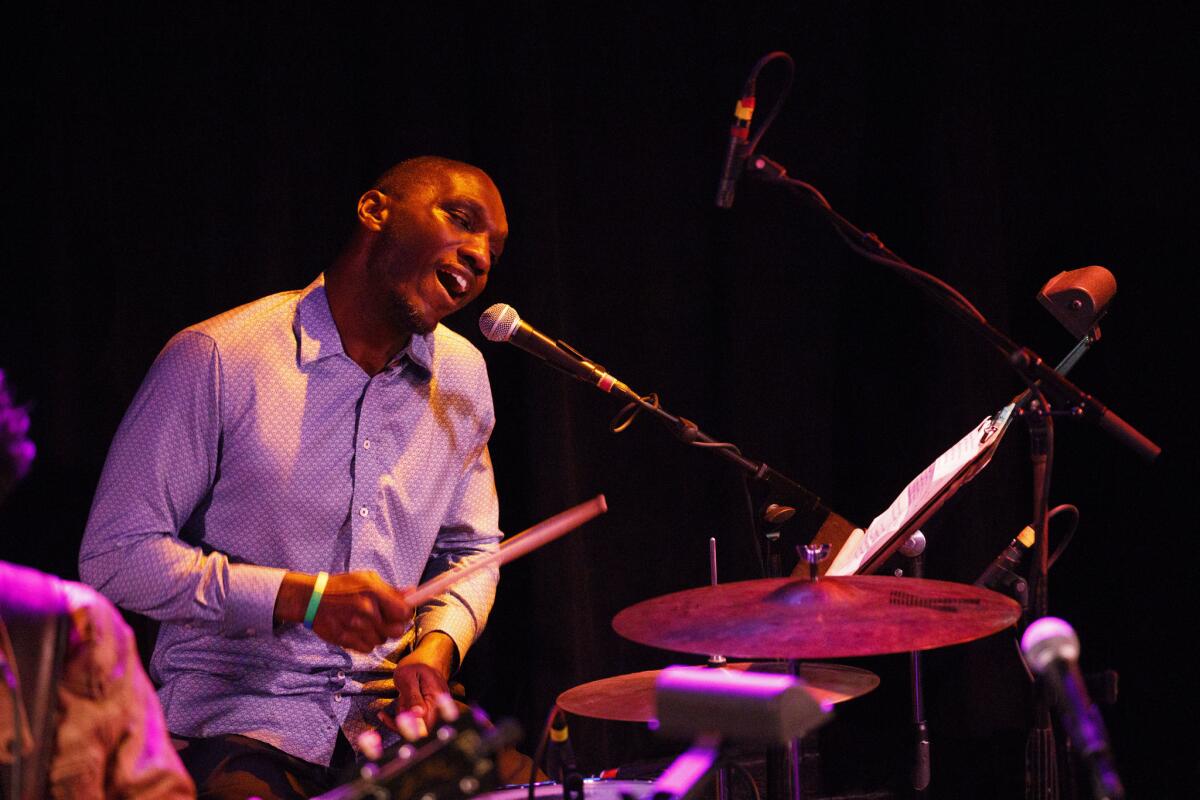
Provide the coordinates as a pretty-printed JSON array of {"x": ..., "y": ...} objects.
[
  {"x": 765, "y": 169},
  {"x": 1004, "y": 580}
]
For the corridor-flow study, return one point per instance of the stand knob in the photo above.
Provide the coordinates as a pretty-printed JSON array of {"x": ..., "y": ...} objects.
[{"x": 813, "y": 554}]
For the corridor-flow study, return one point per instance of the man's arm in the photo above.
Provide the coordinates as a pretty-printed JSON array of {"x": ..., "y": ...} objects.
[
  {"x": 357, "y": 610},
  {"x": 447, "y": 625},
  {"x": 471, "y": 528},
  {"x": 160, "y": 468}
]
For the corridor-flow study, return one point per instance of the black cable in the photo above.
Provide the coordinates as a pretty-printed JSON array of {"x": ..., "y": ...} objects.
[
  {"x": 748, "y": 90},
  {"x": 1065, "y": 508},
  {"x": 745, "y": 773},
  {"x": 878, "y": 252},
  {"x": 625, "y": 417},
  {"x": 681, "y": 428}
]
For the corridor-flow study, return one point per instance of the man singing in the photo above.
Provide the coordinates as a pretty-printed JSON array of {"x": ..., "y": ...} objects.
[{"x": 284, "y": 467}]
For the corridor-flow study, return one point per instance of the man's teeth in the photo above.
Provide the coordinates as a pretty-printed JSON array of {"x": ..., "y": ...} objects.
[{"x": 455, "y": 284}]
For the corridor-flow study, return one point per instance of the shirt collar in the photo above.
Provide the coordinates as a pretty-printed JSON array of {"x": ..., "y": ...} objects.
[
  {"x": 317, "y": 335},
  {"x": 420, "y": 350}
]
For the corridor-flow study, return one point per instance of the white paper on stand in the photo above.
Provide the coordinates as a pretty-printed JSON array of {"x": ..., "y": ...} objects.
[{"x": 958, "y": 464}]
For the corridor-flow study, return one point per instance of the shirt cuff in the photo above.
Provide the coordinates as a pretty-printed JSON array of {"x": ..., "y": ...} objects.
[
  {"x": 250, "y": 603},
  {"x": 453, "y": 622}
]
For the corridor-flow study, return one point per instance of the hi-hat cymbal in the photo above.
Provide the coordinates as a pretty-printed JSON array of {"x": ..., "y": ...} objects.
[
  {"x": 630, "y": 698},
  {"x": 857, "y": 615}
]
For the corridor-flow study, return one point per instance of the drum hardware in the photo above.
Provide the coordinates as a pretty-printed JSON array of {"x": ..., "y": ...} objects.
[
  {"x": 715, "y": 660},
  {"x": 630, "y": 698},
  {"x": 455, "y": 762},
  {"x": 715, "y": 706},
  {"x": 593, "y": 789},
  {"x": 914, "y": 551},
  {"x": 821, "y": 617}
]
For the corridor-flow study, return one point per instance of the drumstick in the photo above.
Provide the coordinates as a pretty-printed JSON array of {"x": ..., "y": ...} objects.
[{"x": 527, "y": 540}]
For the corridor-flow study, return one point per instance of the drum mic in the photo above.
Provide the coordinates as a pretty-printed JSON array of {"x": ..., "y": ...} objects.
[
  {"x": 562, "y": 757},
  {"x": 1051, "y": 650},
  {"x": 501, "y": 323},
  {"x": 1003, "y": 568}
]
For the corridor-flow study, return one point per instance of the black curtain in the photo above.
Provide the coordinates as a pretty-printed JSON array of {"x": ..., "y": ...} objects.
[{"x": 174, "y": 161}]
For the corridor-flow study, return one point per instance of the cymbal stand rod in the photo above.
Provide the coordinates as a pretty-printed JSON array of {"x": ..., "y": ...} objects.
[
  {"x": 712, "y": 560},
  {"x": 724, "y": 777},
  {"x": 795, "y": 752},
  {"x": 715, "y": 659},
  {"x": 914, "y": 550}
]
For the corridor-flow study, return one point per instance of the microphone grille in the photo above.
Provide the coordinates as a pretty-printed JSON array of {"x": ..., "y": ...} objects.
[
  {"x": 499, "y": 322},
  {"x": 1047, "y": 640}
]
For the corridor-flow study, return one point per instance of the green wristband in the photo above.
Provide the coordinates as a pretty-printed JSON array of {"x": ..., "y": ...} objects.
[{"x": 315, "y": 600}]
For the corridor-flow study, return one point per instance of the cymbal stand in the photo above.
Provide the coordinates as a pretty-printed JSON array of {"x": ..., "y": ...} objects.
[
  {"x": 723, "y": 781},
  {"x": 914, "y": 551}
]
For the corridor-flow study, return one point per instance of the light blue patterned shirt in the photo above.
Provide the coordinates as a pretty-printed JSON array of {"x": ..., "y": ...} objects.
[{"x": 255, "y": 445}]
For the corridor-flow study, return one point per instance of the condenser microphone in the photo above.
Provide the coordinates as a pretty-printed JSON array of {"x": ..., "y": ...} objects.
[
  {"x": 561, "y": 765},
  {"x": 736, "y": 152},
  {"x": 501, "y": 323},
  {"x": 1051, "y": 650}
]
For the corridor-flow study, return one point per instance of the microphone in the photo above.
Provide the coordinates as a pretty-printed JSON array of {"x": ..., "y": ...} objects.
[
  {"x": 563, "y": 755},
  {"x": 1051, "y": 650},
  {"x": 738, "y": 150},
  {"x": 501, "y": 323},
  {"x": 1004, "y": 567}
]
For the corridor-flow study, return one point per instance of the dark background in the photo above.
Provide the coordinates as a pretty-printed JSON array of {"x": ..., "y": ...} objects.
[{"x": 172, "y": 162}]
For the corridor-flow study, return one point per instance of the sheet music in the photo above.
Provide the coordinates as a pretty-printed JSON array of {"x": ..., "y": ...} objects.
[{"x": 962, "y": 461}]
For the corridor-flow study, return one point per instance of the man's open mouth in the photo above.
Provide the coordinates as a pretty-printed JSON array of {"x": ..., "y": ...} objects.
[{"x": 455, "y": 285}]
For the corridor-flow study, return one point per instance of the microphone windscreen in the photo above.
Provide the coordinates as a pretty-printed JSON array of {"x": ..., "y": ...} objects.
[
  {"x": 1047, "y": 640},
  {"x": 499, "y": 322}
]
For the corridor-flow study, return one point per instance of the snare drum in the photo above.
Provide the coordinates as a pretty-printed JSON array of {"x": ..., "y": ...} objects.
[{"x": 593, "y": 789}]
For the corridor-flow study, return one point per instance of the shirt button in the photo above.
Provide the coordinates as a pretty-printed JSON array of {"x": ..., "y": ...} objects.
[
  {"x": 362, "y": 512},
  {"x": 338, "y": 697},
  {"x": 341, "y": 675},
  {"x": 367, "y": 444}
]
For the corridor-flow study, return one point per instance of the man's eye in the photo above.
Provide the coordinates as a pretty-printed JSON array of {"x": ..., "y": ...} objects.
[{"x": 461, "y": 218}]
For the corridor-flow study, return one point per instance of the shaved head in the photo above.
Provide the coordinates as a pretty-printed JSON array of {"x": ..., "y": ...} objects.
[{"x": 422, "y": 171}]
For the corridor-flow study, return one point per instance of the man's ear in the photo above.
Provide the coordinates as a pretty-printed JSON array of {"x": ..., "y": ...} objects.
[{"x": 372, "y": 209}]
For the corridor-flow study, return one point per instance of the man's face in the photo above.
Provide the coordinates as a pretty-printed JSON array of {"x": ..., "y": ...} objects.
[{"x": 436, "y": 246}]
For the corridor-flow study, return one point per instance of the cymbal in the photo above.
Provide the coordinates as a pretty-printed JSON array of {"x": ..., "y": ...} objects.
[
  {"x": 630, "y": 698},
  {"x": 841, "y": 617}
]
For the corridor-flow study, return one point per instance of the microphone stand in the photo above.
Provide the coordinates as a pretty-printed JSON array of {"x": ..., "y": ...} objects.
[
  {"x": 1041, "y": 760},
  {"x": 1041, "y": 782},
  {"x": 1028, "y": 364},
  {"x": 825, "y": 526}
]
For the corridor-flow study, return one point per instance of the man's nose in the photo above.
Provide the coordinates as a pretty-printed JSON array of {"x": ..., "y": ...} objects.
[{"x": 475, "y": 255}]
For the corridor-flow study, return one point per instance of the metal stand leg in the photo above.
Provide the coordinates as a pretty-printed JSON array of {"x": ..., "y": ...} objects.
[
  {"x": 914, "y": 549},
  {"x": 795, "y": 753}
]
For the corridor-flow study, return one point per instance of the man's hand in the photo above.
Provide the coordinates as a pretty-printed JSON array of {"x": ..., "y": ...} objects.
[
  {"x": 358, "y": 610},
  {"x": 422, "y": 688}
]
